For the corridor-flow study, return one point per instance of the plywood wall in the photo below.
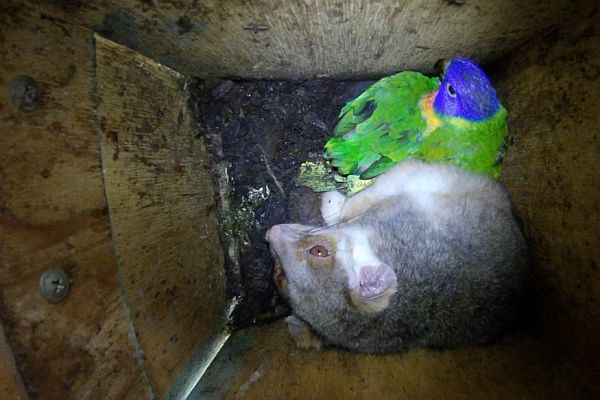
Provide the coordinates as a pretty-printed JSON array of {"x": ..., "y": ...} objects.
[
  {"x": 264, "y": 363},
  {"x": 310, "y": 38},
  {"x": 162, "y": 209},
  {"x": 132, "y": 320},
  {"x": 53, "y": 214},
  {"x": 11, "y": 383},
  {"x": 551, "y": 89}
]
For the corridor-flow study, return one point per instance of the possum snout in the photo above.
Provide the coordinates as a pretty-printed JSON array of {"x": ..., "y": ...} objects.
[
  {"x": 284, "y": 233},
  {"x": 273, "y": 233}
]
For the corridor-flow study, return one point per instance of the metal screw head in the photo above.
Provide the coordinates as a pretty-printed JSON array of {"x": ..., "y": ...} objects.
[
  {"x": 54, "y": 285},
  {"x": 24, "y": 93}
]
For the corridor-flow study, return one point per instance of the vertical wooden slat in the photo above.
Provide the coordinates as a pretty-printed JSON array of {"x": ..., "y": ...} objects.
[{"x": 162, "y": 208}]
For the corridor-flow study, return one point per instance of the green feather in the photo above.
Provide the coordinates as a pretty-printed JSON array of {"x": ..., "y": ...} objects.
[
  {"x": 385, "y": 120},
  {"x": 474, "y": 146},
  {"x": 385, "y": 125},
  {"x": 377, "y": 168}
]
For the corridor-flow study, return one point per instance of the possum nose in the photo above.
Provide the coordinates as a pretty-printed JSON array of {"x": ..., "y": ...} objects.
[
  {"x": 272, "y": 233},
  {"x": 279, "y": 232},
  {"x": 284, "y": 233}
]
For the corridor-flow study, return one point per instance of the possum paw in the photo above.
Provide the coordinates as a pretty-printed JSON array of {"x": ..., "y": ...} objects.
[{"x": 303, "y": 336}]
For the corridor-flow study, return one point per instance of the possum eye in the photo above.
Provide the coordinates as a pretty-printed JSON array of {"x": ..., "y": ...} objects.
[
  {"x": 319, "y": 251},
  {"x": 451, "y": 91}
]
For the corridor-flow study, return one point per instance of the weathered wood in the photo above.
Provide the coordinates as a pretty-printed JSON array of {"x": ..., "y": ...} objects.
[
  {"x": 52, "y": 213},
  {"x": 11, "y": 383},
  {"x": 262, "y": 363},
  {"x": 551, "y": 89},
  {"x": 309, "y": 38},
  {"x": 162, "y": 208}
]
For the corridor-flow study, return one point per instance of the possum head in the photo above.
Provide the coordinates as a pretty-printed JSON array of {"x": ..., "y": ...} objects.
[{"x": 327, "y": 271}]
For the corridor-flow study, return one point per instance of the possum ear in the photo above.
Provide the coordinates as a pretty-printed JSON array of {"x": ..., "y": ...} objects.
[{"x": 376, "y": 285}]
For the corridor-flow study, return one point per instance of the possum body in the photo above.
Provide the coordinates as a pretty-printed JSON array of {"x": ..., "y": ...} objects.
[{"x": 428, "y": 256}]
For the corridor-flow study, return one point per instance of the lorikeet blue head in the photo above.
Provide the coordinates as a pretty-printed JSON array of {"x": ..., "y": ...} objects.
[{"x": 465, "y": 92}]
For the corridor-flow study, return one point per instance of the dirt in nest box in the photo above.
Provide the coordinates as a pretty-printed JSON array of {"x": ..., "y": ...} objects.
[{"x": 258, "y": 134}]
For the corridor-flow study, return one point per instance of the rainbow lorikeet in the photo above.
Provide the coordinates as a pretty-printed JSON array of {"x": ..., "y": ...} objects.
[{"x": 456, "y": 119}]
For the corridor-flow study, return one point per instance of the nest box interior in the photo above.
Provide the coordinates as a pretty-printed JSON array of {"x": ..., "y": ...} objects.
[{"x": 148, "y": 145}]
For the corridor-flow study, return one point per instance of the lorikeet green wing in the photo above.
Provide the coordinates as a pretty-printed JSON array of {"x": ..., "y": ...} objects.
[
  {"x": 382, "y": 126},
  {"x": 456, "y": 120}
]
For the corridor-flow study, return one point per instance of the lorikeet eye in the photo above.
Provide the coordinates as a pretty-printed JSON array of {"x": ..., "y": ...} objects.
[
  {"x": 319, "y": 251},
  {"x": 451, "y": 91}
]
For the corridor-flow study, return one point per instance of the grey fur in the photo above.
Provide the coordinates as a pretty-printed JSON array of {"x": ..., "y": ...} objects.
[{"x": 461, "y": 269}]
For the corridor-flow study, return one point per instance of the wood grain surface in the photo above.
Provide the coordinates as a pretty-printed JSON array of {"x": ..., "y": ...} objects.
[
  {"x": 11, "y": 383},
  {"x": 162, "y": 208},
  {"x": 263, "y": 363},
  {"x": 53, "y": 214},
  {"x": 551, "y": 90},
  {"x": 311, "y": 38}
]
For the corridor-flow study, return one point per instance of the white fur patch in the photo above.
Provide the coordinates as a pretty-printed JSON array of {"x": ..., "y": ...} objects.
[
  {"x": 331, "y": 207},
  {"x": 419, "y": 181},
  {"x": 358, "y": 253},
  {"x": 423, "y": 185}
]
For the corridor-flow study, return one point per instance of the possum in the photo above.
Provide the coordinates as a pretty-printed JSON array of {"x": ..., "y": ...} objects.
[{"x": 428, "y": 256}]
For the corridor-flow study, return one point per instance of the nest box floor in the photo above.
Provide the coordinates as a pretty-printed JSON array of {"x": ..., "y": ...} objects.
[{"x": 263, "y": 363}]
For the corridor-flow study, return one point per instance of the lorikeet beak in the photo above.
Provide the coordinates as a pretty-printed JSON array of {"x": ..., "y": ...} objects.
[{"x": 440, "y": 67}]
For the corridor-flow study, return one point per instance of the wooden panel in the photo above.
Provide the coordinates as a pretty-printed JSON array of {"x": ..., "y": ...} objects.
[
  {"x": 262, "y": 363},
  {"x": 162, "y": 208},
  {"x": 11, "y": 384},
  {"x": 308, "y": 38},
  {"x": 52, "y": 213},
  {"x": 551, "y": 89}
]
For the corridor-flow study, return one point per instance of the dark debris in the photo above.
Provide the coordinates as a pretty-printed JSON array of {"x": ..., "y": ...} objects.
[{"x": 263, "y": 131}]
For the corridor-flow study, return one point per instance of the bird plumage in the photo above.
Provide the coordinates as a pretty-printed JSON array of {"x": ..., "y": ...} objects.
[{"x": 456, "y": 119}]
